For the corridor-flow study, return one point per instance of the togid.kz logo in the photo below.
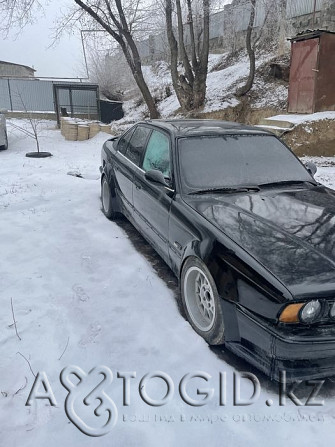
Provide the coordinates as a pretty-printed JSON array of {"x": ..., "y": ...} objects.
[
  {"x": 89, "y": 407},
  {"x": 101, "y": 411},
  {"x": 78, "y": 395}
]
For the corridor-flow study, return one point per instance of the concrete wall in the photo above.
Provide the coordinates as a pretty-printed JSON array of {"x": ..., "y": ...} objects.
[{"x": 14, "y": 70}]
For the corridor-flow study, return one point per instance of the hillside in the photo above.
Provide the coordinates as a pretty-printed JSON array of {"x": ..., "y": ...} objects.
[
  {"x": 227, "y": 73},
  {"x": 268, "y": 97}
]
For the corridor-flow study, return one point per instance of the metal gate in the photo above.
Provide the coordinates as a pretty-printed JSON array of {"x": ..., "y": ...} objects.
[{"x": 76, "y": 100}]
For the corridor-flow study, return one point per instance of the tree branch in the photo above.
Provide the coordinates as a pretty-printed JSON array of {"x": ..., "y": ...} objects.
[
  {"x": 11, "y": 303},
  {"x": 188, "y": 70}
]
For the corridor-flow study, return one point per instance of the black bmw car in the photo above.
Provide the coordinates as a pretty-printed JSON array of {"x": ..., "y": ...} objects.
[{"x": 245, "y": 227}]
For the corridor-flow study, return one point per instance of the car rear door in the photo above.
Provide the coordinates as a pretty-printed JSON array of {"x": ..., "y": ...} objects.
[
  {"x": 152, "y": 200},
  {"x": 128, "y": 157}
]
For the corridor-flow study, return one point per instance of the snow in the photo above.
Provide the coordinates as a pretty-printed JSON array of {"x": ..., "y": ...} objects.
[
  {"x": 272, "y": 127},
  {"x": 223, "y": 84},
  {"x": 83, "y": 295},
  {"x": 221, "y": 87},
  {"x": 326, "y": 169},
  {"x": 299, "y": 119},
  {"x": 272, "y": 94}
]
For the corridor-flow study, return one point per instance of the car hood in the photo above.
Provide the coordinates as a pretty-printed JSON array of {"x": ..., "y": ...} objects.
[{"x": 291, "y": 232}]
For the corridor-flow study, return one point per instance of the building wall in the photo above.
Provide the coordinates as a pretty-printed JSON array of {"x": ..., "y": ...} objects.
[{"x": 15, "y": 70}]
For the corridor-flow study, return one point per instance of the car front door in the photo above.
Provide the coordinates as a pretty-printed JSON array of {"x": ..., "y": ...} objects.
[
  {"x": 128, "y": 157},
  {"x": 152, "y": 200}
]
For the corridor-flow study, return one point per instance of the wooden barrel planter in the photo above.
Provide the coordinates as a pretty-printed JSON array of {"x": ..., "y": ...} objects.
[
  {"x": 71, "y": 132},
  {"x": 94, "y": 129},
  {"x": 83, "y": 132},
  {"x": 105, "y": 128},
  {"x": 64, "y": 122}
]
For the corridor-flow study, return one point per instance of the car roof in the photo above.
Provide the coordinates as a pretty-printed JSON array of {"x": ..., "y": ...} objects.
[{"x": 196, "y": 127}]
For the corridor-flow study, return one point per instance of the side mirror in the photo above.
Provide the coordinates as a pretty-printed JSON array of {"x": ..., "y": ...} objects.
[
  {"x": 114, "y": 141},
  {"x": 311, "y": 168},
  {"x": 156, "y": 176}
]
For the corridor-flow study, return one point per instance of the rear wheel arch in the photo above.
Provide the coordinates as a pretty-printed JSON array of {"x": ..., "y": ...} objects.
[
  {"x": 110, "y": 206},
  {"x": 110, "y": 180}
]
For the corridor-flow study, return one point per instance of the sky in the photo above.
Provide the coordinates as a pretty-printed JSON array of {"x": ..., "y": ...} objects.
[{"x": 31, "y": 46}]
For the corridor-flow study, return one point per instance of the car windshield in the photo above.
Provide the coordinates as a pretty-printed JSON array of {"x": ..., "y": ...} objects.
[{"x": 212, "y": 162}]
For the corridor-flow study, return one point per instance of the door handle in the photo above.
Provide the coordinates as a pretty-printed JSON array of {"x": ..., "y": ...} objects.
[{"x": 137, "y": 185}]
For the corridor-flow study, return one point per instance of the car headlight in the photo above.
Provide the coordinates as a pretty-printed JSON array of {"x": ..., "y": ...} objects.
[
  {"x": 306, "y": 313},
  {"x": 291, "y": 313},
  {"x": 310, "y": 312},
  {"x": 332, "y": 311}
]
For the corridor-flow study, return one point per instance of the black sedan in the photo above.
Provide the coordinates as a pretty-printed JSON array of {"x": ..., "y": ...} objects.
[{"x": 245, "y": 227}]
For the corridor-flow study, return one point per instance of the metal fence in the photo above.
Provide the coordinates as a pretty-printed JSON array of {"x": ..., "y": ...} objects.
[
  {"x": 216, "y": 25},
  {"x": 236, "y": 17},
  {"x": 296, "y": 8},
  {"x": 21, "y": 95}
]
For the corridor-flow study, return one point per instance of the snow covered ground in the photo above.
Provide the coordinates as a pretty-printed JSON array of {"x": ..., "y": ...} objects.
[
  {"x": 300, "y": 119},
  {"x": 83, "y": 295}
]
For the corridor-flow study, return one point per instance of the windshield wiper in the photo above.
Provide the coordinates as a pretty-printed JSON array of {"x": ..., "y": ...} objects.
[
  {"x": 226, "y": 190},
  {"x": 287, "y": 183}
]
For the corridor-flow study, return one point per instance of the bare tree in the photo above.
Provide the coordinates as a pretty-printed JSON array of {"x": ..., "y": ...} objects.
[
  {"x": 282, "y": 27},
  {"x": 190, "y": 85},
  {"x": 107, "y": 67},
  {"x": 251, "y": 53},
  {"x": 111, "y": 16},
  {"x": 113, "y": 78},
  {"x": 31, "y": 126},
  {"x": 115, "y": 23},
  {"x": 17, "y": 13}
]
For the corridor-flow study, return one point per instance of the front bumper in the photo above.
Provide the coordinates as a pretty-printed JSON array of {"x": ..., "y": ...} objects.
[{"x": 304, "y": 353}]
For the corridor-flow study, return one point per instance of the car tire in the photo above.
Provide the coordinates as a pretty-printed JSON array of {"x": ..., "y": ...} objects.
[
  {"x": 107, "y": 200},
  {"x": 201, "y": 301},
  {"x": 5, "y": 146}
]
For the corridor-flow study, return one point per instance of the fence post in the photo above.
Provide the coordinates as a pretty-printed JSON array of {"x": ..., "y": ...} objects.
[{"x": 10, "y": 95}]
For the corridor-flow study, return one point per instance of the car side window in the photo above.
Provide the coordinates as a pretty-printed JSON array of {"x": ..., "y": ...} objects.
[
  {"x": 157, "y": 155},
  {"x": 123, "y": 142},
  {"x": 137, "y": 144}
]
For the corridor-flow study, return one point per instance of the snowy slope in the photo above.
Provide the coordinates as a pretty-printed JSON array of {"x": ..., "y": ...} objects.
[
  {"x": 221, "y": 87},
  {"x": 83, "y": 295}
]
